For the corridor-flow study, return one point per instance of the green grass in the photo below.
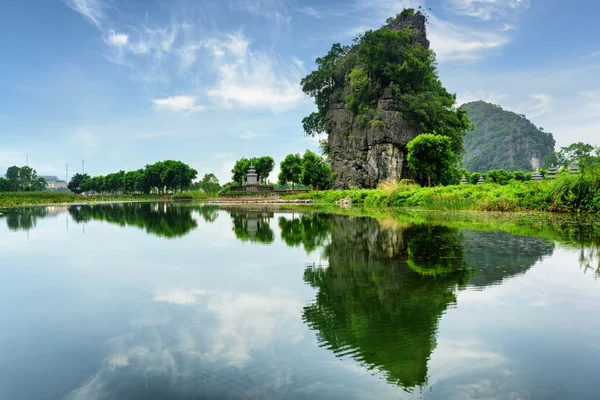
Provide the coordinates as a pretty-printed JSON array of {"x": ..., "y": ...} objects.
[
  {"x": 568, "y": 193},
  {"x": 17, "y": 199}
]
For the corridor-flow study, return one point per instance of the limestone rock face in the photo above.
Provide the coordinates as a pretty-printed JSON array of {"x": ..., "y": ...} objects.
[{"x": 363, "y": 156}]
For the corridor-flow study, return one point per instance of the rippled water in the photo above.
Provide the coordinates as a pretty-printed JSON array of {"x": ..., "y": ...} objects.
[{"x": 157, "y": 301}]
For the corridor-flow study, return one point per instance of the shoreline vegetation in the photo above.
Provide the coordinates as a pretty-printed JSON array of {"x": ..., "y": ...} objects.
[{"x": 569, "y": 193}]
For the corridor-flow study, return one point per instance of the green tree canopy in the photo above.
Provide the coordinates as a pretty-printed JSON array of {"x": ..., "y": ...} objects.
[
  {"x": 291, "y": 170},
  {"x": 264, "y": 166},
  {"x": 209, "y": 183},
  {"x": 431, "y": 159},
  {"x": 582, "y": 155},
  {"x": 23, "y": 179},
  {"x": 315, "y": 170},
  {"x": 378, "y": 60}
]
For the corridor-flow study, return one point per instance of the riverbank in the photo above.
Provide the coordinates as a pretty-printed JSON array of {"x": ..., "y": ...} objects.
[
  {"x": 23, "y": 199},
  {"x": 570, "y": 193}
]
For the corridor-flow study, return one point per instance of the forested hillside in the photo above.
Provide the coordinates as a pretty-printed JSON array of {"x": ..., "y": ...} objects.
[{"x": 503, "y": 140}]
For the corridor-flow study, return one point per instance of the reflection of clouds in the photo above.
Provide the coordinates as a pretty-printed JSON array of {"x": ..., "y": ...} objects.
[
  {"x": 464, "y": 369},
  {"x": 178, "y": 296},
  {"x": 207, "y": 344},
  {"x": 250, "y": 321}
]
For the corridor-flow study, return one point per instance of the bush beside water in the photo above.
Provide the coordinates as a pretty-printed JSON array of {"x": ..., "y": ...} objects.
[{"x": 567, "y": 193}]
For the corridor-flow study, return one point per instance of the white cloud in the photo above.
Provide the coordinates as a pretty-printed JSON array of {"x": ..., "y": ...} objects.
[
  {"x": 178, "y": 296},
  {"x": 178, "y": 104},
  {"x": 466, "y": 97},
  {"x": 222, "y": 155},
  {"x": 451, "y": 42},
  {"x": 253, "y": 79},
  {"x": 275, "y": 10},
  {"x": 543, "y": 106},
  {"x": 488, "y": 9},
  {"x": 117, "y": 39},
  {"x": 508, "y": 28},
  {"x": 93, "y": 10},
  {"x": 311, "y": 12},
  {"x": 250, "y": 135}
]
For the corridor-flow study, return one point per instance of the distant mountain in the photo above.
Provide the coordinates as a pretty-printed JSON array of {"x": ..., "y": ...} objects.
[{"x": 503, "y": 140}]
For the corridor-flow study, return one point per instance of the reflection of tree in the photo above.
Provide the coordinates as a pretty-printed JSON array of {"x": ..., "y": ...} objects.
[
  {"x": 209, "y": 213},
  {"x": 309, "y": 231},
  {"x": 24, "y": 218},
  {"x": 158, "y": 219},
  {"x": 380, "y": 298},
  {"x": 253, "y": 226}
]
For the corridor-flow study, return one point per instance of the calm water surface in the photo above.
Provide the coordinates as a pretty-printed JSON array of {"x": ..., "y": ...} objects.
[{"x": 156, "y": 301}]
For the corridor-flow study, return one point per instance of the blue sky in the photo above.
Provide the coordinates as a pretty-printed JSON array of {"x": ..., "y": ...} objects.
[{"x": 123, "y": 83}]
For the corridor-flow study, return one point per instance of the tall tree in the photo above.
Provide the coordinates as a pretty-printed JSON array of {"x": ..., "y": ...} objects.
[
  {"x": 3, "y": 185},
  {"x": 431, "y": 159},
  {"x": 291, "y": 170},
  {"x": 315, "y": 171},
  {"x": 12, "y": 179},
  {"x": 264, "y": 166},
  {"x": 209, "y": 183},
  {"x": 74, "y": 184}
]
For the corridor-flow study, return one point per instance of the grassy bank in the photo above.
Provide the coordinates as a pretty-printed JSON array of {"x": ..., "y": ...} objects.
[
  {"x": 18, "y": 199},
  {"x": 568, "y": 193}
]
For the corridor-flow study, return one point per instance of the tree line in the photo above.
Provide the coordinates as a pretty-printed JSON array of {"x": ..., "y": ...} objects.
[
  {"x": 160, "y": 177},
  {"x": 22, "y": 179}
]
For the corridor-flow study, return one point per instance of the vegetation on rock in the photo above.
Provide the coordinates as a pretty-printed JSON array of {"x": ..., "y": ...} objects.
[
  {"x": 382, "y": 60},
  {"x": 503, "y": 140}
]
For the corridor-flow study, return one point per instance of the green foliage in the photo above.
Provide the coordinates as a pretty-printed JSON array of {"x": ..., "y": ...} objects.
[
  {"x": 385, "y": 58},
  {"x": 264, "y": 166},
  {"x": 583, "y": 155},
  {"x": 431, "y": 159},
  {"x": 209, "y": 184},
  {"x": 291, "y": 170},
  {"x": 168, "y": 222},
  {"x": 22, "y": 179},
  {"x": 252, "y": 227},
  {"x": 315, "y": 171},
  {"x": 162, "y": 176},
  {"x": 502, "y": 139}
]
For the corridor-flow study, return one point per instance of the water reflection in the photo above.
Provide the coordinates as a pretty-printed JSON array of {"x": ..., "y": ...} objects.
[
  {"x": 253, "y": 226},
  {"x": 382, "y": 294},
  {"x": 309, "y": 231},
  {"x": 385, "y": 286}
]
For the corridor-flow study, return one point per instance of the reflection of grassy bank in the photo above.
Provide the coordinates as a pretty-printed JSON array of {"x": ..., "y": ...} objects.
[
  {"x": 19, "y": 199},
  {"x": 569, "y": 193}
]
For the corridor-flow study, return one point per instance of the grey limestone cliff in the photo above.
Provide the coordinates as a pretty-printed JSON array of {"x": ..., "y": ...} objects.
[{"x": 364, "y": 156}]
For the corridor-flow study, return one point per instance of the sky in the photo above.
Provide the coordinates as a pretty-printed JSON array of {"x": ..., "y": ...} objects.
[{"x": 124, "y": 83}]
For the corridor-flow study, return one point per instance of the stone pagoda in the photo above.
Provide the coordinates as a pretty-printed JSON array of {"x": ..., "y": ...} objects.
[
  {"x": 463, "y": 180},
  {"x": 537, "y": 176},
  {"x": 480, "y": 181}
]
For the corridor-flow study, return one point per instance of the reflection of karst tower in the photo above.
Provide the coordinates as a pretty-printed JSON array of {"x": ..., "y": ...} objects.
[
  {"x": 372, "y": 306},
  {"x": 385, "y": 289}
]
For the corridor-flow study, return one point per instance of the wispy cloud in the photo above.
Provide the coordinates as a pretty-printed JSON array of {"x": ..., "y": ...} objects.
[
  {"x": 311, "y": 12},
  {"x": 487, "y": 9},
  {"x": 543, "y": 106},
  {"x": 253, "y": 79},
  {"x": 251, "y": 135},
  {"x": 178, "y": 104},
  {"x": 451, "y": 42},
  {"x": 222, "y": 155},
  {"x": 154, "y": 135},
  {"x": 92, "y": 10},
  {"x": 117, "y": 39},
  {"x": 274, "y": 10}
]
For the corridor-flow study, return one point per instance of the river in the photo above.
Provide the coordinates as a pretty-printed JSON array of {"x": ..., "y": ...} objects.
[{"x": 181, "y": 301}]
